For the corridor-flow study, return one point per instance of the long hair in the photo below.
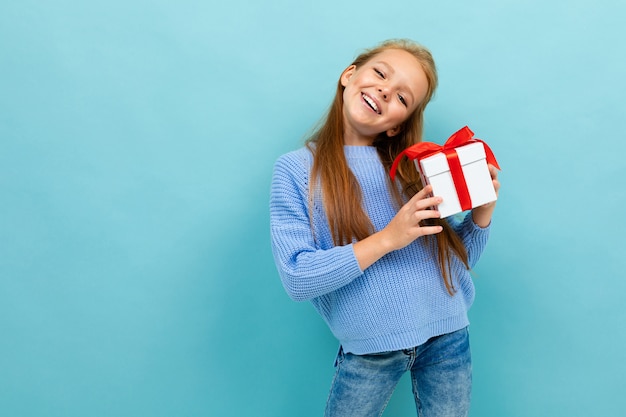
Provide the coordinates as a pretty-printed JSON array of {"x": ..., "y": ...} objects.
[{"x": 342, "y": 195}]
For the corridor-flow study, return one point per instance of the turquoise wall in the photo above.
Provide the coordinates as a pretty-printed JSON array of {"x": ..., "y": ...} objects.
[{"x": 137, "y": 140}]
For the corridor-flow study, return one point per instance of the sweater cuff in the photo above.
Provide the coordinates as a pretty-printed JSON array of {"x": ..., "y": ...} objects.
[{"x": 355, "y": 261}]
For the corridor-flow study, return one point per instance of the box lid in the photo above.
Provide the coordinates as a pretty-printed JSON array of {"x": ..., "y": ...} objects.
[{"x": 438, "y": 163}]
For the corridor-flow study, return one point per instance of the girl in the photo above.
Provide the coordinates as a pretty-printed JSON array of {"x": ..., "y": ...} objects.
[{"x": 389, "y": 277}]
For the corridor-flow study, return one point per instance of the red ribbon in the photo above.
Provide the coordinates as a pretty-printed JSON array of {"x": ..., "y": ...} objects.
[{"x": 463, "y": 136}]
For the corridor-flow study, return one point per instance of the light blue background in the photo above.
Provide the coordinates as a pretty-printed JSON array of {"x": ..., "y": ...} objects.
[{"x": 137, "y": 140}]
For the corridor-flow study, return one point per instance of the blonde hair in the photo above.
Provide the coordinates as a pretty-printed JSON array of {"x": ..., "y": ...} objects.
[{"x": 340, "y": 189}]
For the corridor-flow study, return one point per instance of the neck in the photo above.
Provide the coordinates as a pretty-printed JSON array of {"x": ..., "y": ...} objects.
[{"x": 351, "y": 138}]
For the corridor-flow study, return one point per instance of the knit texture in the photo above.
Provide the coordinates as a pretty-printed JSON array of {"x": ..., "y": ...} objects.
[{"x": 398, "y": 302}]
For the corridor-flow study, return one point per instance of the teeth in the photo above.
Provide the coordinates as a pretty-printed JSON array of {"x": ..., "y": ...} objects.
[{"x": 371, "y": 103}]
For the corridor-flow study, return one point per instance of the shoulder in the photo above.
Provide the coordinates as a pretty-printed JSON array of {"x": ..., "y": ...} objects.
[
  {"x": 301, "y": 156},
  {"x": 290, "y": 178},
  {"x": 294, "y": 163}
]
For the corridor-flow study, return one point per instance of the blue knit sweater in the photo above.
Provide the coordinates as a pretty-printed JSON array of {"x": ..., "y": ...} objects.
[{"x": 398, "y": 302}]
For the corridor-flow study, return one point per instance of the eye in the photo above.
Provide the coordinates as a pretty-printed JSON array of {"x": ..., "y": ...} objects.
[
  {"x": 380, "y": 74},
  {"x": 402, "y": 100}
]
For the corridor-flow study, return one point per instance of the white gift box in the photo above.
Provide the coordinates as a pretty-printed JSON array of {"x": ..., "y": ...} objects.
[{"x": 436, "y": 172}]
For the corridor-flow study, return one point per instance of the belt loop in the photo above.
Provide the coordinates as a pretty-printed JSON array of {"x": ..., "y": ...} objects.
[
  {"x": 339, "y": 356},
  {"x": 412, "y": 354}
]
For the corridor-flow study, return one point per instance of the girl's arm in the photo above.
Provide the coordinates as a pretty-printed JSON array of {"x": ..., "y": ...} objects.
[{"x": 306, "y": 270}]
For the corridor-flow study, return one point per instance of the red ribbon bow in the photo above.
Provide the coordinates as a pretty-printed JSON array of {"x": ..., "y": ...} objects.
[{"x": 463, "y": 136}]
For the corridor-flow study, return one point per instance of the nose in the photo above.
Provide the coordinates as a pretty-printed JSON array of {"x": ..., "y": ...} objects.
[{"x": 384, "y": 92}]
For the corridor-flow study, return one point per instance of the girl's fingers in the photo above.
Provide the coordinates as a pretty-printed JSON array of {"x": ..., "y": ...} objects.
[
  {"x": 427, "y": 214},
  {"x": 493, "y": 171},
  {"x": 431, "y": 230},
  {"x": 424, "y": 192},
  {"x": 428, "y": 203},
  {"x": 426, "y": 206},
  {"x": 496, "y": 185}
]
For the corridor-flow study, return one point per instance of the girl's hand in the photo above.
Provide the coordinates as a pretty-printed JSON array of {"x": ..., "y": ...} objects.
[
  {"x": 482, "y": 215},
  {"x": 403, "y": 229}
]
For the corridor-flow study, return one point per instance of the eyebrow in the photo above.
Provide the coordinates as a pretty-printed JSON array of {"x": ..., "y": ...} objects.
[{"x": 389, "y": 67}]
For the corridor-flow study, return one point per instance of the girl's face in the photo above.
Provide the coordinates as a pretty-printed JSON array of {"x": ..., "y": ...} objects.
[{"x": 380, "y": 95}]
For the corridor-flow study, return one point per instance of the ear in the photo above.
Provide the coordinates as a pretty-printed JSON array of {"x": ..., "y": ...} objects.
[
  {"x": 347, "y": 74},
  {"x": 394, "y": 131}
]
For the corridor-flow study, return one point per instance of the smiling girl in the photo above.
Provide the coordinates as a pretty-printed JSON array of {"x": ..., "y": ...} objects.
[{"x": 386, "y": 273}]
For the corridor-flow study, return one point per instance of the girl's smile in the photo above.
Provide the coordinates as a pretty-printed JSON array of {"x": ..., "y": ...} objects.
[{"x": 371, "y": 102}]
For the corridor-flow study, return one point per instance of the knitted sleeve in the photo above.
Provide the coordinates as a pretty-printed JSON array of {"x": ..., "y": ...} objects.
[
  {"x": 473, "y": 236},
  {"x": 306, "y": 270}
]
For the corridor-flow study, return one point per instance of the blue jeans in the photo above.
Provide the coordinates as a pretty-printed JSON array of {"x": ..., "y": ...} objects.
[{"x": 441, "y": 373}]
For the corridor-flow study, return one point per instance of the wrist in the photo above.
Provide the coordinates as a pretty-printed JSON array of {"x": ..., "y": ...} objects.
[
  {"x": 482, "y": 215},
  {"x": 372, "y": 248},
  {"x": 384, "y": 241}
]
